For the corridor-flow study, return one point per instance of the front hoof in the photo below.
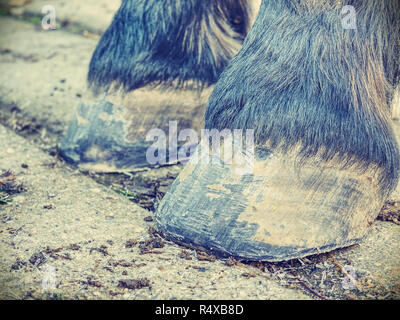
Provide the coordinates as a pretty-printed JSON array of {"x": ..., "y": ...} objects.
[{"x": 280, "y": 211}]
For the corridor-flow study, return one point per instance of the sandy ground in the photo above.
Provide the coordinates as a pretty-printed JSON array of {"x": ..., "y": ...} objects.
[{"x": 67, "y": 236}]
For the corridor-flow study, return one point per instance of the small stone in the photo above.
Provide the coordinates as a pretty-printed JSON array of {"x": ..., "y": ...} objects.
[{"x": 134, "y": 284}]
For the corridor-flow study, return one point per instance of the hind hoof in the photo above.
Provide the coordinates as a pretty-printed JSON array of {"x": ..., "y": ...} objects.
[
  {"x": 109, "y": 135},
  {"x": 278, "y": 212},
  {"x": 96, "y": 140}
]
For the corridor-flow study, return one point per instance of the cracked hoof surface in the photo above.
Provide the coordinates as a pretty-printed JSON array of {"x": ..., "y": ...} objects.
[{"x": 280, "y": 211}]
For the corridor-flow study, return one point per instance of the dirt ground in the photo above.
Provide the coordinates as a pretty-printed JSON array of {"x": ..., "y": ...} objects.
[{"x": 69, "y": 234}]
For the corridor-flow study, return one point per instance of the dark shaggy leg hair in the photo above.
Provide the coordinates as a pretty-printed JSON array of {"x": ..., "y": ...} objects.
[
  {"x": 301, "y": 78},
  {"x": 168, "y": 42}
]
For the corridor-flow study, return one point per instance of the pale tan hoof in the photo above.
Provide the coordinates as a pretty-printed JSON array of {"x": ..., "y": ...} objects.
[{"x": 282, "y": 210}]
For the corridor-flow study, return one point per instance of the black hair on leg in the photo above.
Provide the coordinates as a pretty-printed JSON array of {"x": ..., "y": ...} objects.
[
  {"x": 301, "y": 78},
  {"x": 168, "y": 42}
]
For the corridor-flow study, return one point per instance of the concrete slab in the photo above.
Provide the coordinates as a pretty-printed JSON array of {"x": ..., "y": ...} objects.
[
  {"x": 67, "y": 227},
  {"x": 376, "y": 262},
  {"x": 43, "y": 73}
]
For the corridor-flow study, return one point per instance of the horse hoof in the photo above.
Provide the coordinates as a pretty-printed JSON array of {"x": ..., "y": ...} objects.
[
  {"x": 284, "y": 209},
  {"x": 109, "y": 134}
]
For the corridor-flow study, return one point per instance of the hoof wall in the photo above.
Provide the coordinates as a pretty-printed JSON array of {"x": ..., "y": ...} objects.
[
  {"x": 96, "y": 140},
  {"x": 110, "y": 135},
  {"x": 278, "y": 212}
]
